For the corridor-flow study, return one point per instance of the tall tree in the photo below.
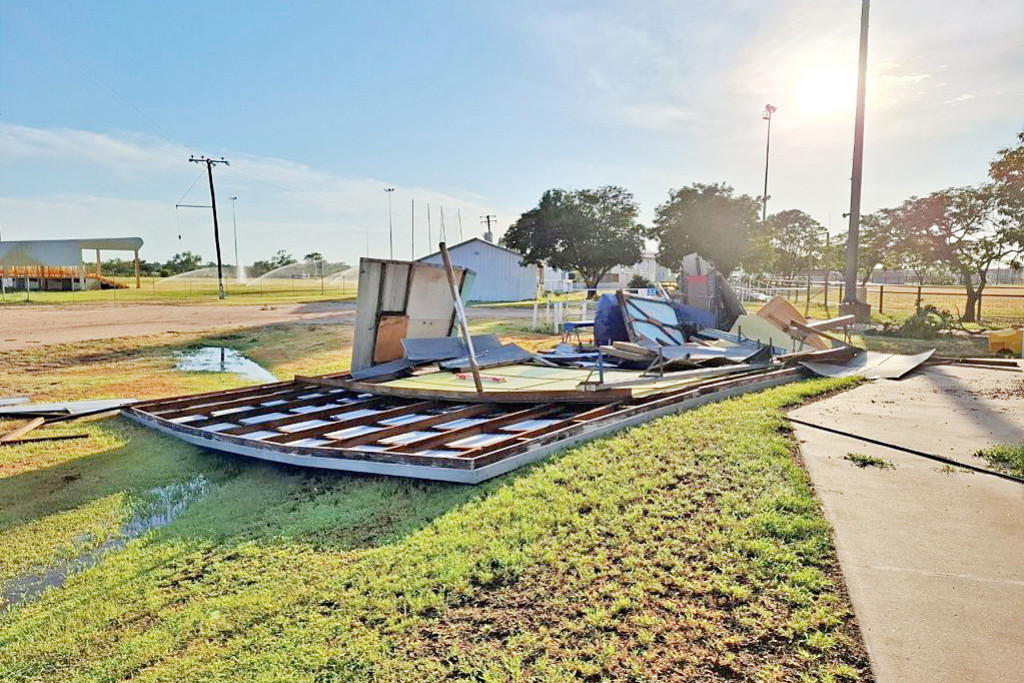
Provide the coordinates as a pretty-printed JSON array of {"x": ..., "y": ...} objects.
[
  {"x": 796, "y": 240},
  {"x": 708, "y": 220},
  {"x": 971, "y": 233},
  {"x": 183, "y": 262},
  {"x": 589, "y": 231}
]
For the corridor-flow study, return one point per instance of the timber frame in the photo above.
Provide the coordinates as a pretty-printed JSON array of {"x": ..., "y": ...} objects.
[{"x": 332, "y": 423}]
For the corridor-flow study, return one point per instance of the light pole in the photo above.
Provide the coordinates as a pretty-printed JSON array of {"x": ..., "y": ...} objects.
[
  {"x": 850, "y": 303},
  {"x": 767, "y": 116},
  {"x": 239, "y": 271},
  {"x": 391, "y": 226}
]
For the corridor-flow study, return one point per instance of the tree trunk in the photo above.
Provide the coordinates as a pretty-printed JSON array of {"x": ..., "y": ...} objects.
[{"x": 970, "y": 310}]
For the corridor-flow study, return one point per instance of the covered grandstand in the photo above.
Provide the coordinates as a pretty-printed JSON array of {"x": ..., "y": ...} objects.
[{"x": 57, "y": 265}]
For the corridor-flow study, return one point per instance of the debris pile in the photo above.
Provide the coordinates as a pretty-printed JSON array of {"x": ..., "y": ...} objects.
[{"x": 427, "y": 399}]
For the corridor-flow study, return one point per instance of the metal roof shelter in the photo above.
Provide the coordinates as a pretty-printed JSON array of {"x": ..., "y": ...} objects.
[{"x": 61, "y": 258}]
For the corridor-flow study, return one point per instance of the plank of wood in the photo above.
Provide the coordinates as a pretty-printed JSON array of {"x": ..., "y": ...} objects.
[
  {"x": 832, "y": 323},
  {"x": 391, "y": 330},
  {"x": 810, "y": 330},
  {"x": 24, "y": 429},
  {"x": 418, "y": 425},
  {"x": 338, "y": 425},
  {"x": 489, "y": 395}
]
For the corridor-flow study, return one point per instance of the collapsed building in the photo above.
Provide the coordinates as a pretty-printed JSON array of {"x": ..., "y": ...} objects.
[{"x": 426, "y": 399}]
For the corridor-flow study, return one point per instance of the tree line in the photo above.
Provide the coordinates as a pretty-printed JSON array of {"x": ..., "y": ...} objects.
[
  {"x": 959, "y": 232},
  {"x": 186, "y": 261}
]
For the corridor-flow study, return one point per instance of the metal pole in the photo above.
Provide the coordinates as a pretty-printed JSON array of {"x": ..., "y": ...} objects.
[
  {"x": 767, "y": 116},
  {"x": 239, "y": 270},
  {"x": 463, "y": 323},
  {"x": 853, "y": 235},
  {"x": 412, "y": 231},
  {"x": 391, "y": 226}
]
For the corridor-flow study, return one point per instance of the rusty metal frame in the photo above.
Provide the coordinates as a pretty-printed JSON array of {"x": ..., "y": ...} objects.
[{"x": 309, "y": 422}]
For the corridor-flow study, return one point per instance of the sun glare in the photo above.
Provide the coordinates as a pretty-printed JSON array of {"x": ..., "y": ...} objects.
[{"x": 827, "y": 89}]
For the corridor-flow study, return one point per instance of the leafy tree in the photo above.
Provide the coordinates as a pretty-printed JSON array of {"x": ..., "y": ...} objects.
[
  {"x": 589, "y": 231},
  {"x": 797, "y": 241},
  {"x": 971, "y": 230},
  {"x": 282, "y": 258},
  {"x": 313, "y": 256},
  {"x": 638, "y": 281},
  {"x": 707, "y": 219},
  {"x": 183, "y": 262}
]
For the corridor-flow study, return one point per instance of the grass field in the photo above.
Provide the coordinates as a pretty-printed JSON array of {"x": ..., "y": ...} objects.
[
  {"x": 689, "y": 549},
  {"x": 197, "y": 290}
]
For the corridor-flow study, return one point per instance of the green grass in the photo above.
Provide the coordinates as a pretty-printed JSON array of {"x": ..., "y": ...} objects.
[
  {"x": 863, "y": 461},
  {"x": 198, "y": 290},
  {"x": 690, "y": 548},
  {"x": 1005, "y": 457}
]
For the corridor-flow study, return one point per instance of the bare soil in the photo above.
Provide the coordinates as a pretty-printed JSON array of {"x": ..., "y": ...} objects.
[{"x": 32, "y": 326}]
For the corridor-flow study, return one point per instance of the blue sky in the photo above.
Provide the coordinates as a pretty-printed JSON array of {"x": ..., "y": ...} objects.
[{"x": 476, "y": 106}]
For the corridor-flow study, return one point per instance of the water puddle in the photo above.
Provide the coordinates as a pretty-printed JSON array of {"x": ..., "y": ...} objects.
[
  {"x": 157, "y": 507},
  {"x": 222, "y": 359}
]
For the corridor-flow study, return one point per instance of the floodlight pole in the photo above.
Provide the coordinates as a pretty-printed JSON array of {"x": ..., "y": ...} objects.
[
  {"x": 767, "y": 116},
  {"x": 213, "y": 204},
  {"x": 391, "y": 225},
  {"x": 850, "y": 302},
  {"x": 234, "y": 231}
]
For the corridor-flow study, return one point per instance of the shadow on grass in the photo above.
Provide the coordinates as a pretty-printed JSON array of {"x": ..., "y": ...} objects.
[{"x": 247, "y": 501}]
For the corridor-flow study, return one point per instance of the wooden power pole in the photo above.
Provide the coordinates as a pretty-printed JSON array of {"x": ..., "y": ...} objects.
[{"x": 213, "y": 204}]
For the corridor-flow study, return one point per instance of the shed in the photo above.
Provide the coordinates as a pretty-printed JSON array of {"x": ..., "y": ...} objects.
[{"x": 500, "y": 273}]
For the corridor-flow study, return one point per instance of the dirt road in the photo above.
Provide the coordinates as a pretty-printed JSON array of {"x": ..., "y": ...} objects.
[{"x": 30, "y": 326}]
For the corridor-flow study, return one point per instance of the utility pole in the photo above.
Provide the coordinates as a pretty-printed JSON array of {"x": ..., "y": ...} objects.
[
  {"x": 239, "y": 270},
  {"x": 213, "y": 204},
  {"x": 767, "y": 116},
  {"x": 391, "y": 226},
  {"x": 488, "y": 236},
  {"x": 850, "y": 304}
]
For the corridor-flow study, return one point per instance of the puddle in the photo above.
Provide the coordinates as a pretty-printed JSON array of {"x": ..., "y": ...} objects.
[
  {"x": 222, "y": 359},
  {"x": 158, "y": 507}
]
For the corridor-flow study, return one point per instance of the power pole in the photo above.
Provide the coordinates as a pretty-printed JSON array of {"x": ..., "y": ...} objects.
[
  {"x": 850, "y": 304},
  {"x": 213, "y": 204},
  {"x": 489, "y": 236},
  {"x": 767, "y": 116},
  {"x": 391, "y": 225}
]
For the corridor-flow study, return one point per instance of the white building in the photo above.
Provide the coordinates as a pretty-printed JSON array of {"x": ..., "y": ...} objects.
[
  {"x": 500, "y": 274},
  {"x": 648, "y": 267}
]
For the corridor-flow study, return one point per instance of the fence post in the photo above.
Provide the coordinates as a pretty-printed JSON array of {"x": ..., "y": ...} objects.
[
  {"x": 807, "y": 303},
  {"x": 881, "y": 297},
  {"x": 918, "y": 305},
  {"x": 826, "y": 296}
]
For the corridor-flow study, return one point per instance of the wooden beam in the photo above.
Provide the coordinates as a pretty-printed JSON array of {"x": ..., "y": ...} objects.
[
  {"x": 24, "y": 429},
  {"x": 293, "y": 418},
  {"x": 397, "y": 430},
  {"x": 484, "y": 427},
  {"x": 138, "y": 280},
  {"x": 463, "y": 322},
  {"x": 339, "y": 425}
]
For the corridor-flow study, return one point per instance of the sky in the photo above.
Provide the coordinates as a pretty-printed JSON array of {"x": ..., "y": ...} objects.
[{"x": 476, "y": 107}]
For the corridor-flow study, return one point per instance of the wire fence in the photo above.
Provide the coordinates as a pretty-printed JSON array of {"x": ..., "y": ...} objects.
[{"x": 999, "y": 303}]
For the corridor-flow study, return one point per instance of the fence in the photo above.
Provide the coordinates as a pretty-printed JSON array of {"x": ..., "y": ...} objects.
[{"x": 999, "y": 303}]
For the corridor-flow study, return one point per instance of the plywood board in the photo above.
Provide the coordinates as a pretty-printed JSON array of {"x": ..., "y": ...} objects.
[
  {"x": 364, "y": 336},
  {"x": 781, "y": 313},
  {"x": 391, "y": 331}
]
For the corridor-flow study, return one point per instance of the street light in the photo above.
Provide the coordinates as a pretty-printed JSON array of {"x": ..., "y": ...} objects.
[
  {"x": 391, "y": 227},
  {"x": 767, "y": 116},
  {"x": 239, "y": 273}
]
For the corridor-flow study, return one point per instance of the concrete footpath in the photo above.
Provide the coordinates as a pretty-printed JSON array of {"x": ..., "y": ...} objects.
[{"x": 933, "y": 556}]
